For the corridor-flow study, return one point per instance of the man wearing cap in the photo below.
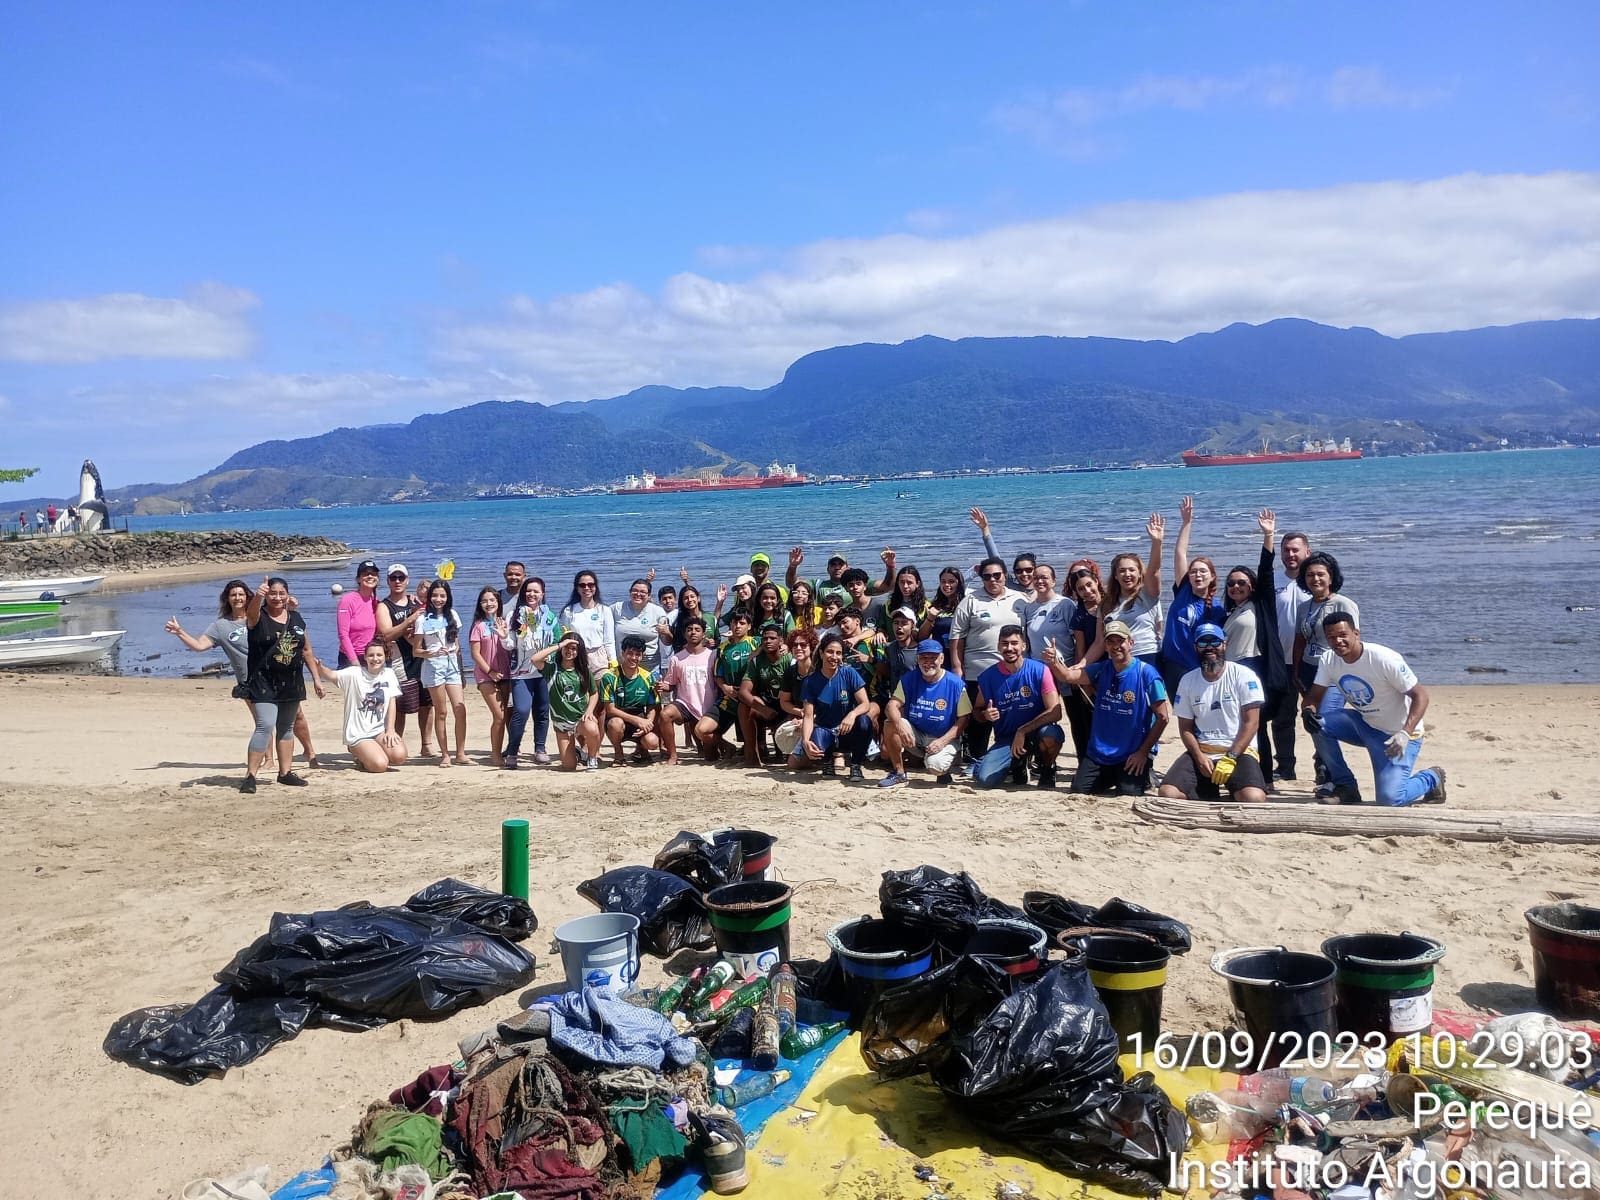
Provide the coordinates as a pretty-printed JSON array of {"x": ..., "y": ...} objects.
[
  {"x": 357, "y": 617},
  {"x": 820, "y": 588},
  {"x": 1130, "y": 713},
  {"x": 1383, "y": 706},
  {"x": 975, "y": 637},
  {"x": 516, "y": 575},
  {"x": 926, "y": 717},
  {"x": 759, "y": 709},
  {"x": 1219, "y": 713},
  {"x": 900, "y": 655},
  {"x": 761, "y": 571},
  {"x": 1019, "y": 697}
]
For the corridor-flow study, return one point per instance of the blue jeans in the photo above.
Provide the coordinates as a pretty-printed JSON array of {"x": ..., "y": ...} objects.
[
  {"x": 854, "y": 743},
  {"x": 1396, "y": 783},
  {"x": 530, "y": 695}
]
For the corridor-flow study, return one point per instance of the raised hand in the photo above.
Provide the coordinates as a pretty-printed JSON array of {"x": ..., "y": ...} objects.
[
  {"x": 979, "y": 519},
  {"x": 1156, "y": 527},
  {"x": 1186, "y": 508},
  {"x": 1050, "y": 657},
  {"x": 172, "y": 625},
  {"x": 1267, "y": 522},
  {"x": 887, "y": 555},
  {"x": 722, "y": 593},
  {"x": 683, "y": 574},
  {"x": 796, "y": 556},
  {"x": 650, "y": 575}
]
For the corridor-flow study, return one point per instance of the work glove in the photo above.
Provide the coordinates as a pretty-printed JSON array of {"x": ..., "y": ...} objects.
[
  {"x": 1222, "y": 769},
  {"x": 1397, "y": 744},
  {"x": 1311, "y": 719}
]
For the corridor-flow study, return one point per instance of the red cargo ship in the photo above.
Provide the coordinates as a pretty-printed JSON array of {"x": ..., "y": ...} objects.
[
  {"x": 1313, "y": 452},
  {"x": 646, "y": 484}
]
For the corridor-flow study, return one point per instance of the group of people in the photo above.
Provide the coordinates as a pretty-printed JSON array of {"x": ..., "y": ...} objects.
[
  {"x": 995, "y": 666},
  {"x": 49, "y": 521}
]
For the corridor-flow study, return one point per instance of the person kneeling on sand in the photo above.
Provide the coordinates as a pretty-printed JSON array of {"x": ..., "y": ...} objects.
[
  {"x": 630, "y": 702},
  {"x": 1019, "y": 698},
  {"x": 927, "y": 717},
  {"x": 1382, "y": 707},
  {"x": 370, "y": 690},
  {"x": 1130, "y": 713},
  {"x": 1219, "y": 707}
]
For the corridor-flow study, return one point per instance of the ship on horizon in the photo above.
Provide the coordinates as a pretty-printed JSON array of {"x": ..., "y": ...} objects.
[
  {"x": 777, "y": 476},
  {"x": 1313, "y": 450}
]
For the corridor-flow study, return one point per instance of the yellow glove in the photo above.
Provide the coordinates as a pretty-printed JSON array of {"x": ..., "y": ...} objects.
[
  {"x": 446, "y": 570},
  {"x": 1222, "y": 769}
]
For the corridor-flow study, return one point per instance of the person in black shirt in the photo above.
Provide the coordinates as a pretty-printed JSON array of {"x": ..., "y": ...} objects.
[{"x": 279, "y": 649}]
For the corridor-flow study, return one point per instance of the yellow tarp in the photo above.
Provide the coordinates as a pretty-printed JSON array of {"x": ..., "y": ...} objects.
[{"x": 851, "y": 1135}]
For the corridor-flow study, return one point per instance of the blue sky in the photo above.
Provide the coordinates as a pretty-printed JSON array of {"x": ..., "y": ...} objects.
[{"x": 222, "y": 223}]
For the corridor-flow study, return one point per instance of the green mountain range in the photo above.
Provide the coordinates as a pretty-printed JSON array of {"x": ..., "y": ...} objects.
[{"x": 934, "y": 404}]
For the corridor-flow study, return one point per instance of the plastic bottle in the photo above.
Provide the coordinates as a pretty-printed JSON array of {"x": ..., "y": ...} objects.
[
  {"x": 746, "y": 1090},
  {"x": 667, "y": 999},
  {"x": 801, "y": 1040},
  {"x": 785, "y": 994},
  {"x": 1216, "y": 1122},
  {"x": 1266, "y": 1090},
  {"x": 764, "y": 1034},
  {"x": 749, "y": 993},
  {"x": 720, "y": 973}
]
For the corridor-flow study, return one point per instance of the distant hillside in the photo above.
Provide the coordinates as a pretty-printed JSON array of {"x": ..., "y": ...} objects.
[{"x": 933, "y": 404}]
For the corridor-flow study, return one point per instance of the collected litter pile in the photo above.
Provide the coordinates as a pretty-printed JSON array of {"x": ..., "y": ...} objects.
[{"x": 991, "y": 1039}]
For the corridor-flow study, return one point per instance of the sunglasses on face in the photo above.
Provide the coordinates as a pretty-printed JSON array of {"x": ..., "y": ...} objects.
[
  {"x": 1238, "y": 583},
  {"x": 586, "y": 584},
  {"x": 1207, "y": 644},
  {"x": 993, "y": 575}
]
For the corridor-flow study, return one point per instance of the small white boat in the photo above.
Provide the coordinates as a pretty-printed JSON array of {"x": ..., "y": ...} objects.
[
  {"x": 56, "y": 588},
  {"x": 69, "y": 648},
  {"x": 314, "y": 562}
]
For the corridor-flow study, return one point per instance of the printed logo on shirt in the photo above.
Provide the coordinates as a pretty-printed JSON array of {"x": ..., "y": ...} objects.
[
  {"x": 1252, "y": 685},
  {"x": 941, "y": 704},
  {"x": 1025, "y": 691},
  {"x": 1356, "y": 689},
  {"x": 1127, "y": 697}
]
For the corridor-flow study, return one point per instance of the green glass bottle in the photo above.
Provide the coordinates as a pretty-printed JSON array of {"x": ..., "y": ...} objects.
[{"x": 803, "y": 1040}]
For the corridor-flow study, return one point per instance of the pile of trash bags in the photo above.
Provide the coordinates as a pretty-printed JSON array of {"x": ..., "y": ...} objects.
[
  {"x": 358, "y": 967},
  {"x": 667, "y": 896}
]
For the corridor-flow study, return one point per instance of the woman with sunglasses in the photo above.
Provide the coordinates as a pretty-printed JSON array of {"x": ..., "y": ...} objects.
[
  {"x": 587, "y": 616},
  {"x": 1252, "y": 629}
]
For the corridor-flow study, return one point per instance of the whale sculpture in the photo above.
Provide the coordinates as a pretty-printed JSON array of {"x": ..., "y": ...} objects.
[{"x": 93, "y": 514}]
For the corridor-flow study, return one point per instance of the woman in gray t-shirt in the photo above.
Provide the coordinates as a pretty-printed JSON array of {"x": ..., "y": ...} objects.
[{"x": 230, "y": 633}]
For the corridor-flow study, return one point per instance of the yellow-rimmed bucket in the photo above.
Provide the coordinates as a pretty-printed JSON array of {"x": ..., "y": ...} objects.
[{"x": 1129, "y": 971}]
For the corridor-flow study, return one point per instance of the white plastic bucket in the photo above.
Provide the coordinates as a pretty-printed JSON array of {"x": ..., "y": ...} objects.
[{"x": 600, "y": 952}]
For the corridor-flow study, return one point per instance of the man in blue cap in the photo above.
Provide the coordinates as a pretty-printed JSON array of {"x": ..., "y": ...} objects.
[
  {"x": 926, "y": 717},
  {"x": 1219, "y": 711}
]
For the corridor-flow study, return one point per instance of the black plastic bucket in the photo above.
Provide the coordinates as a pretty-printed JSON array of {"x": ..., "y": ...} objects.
[
  {"x": 1384, "y": 982},
  {"x": 1281, "y": 999},
  {"x": 1129, "y": 973},
  {"x": 750, "y": 922},
  {"x": 875, "y": 955},
  {"x": 757, "y": 849},
  {"x": 1566, "y": 958},
  {"x": 1016, "y": 947}
]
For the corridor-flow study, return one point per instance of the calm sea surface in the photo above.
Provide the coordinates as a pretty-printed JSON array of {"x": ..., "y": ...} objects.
[{"x": 1466, "y": 563}]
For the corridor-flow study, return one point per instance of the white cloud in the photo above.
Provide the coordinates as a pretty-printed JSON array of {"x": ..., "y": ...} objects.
[
  {"x": 1061, "y": 120},
  {"x": 211, "y": 323},
  {"x": 1401, "y": 257}
]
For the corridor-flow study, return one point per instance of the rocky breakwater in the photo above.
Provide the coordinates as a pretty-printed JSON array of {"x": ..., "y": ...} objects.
[{"x": 104, "y": 553}]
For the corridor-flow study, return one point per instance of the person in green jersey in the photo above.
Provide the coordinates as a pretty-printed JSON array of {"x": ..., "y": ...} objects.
[
  {"x": 759, "y": 690},
  {"x": 864, "y": 652},
  {"x": 573, "y": 699},
  {"x": 630, "y": 703},
  {"x": 731, "y": 660}
]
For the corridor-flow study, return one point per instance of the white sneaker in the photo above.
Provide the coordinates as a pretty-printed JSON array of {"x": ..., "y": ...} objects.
[{"x": 591, "y": 764}]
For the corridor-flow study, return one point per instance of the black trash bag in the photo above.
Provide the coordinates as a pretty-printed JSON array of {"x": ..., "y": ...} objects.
[
  {"x": 671, "y": 913},
  {"x": 732, "y": 1040},
  {"x": 495, "y": 912},
  {"x": 946, "y": 905},
  {"x": 1053, "y": 913},
  {"x": 908, "y": 1028},
  {"x": 378, "y": 962},
  {"x": 705, "y": 864},
  {"x": 1041, "y": 1071},
  {"x": 191, "y": 1042}
]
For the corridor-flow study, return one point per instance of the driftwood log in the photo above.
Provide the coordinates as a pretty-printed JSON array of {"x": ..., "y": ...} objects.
[{"x": 1572, "y": 829}]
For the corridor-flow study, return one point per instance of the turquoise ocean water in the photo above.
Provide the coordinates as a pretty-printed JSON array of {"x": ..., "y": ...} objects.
[{"x": 1459, "y": 561}]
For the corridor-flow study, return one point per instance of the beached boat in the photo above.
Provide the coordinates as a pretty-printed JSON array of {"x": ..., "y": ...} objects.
[
  {"x": 52, "y": 588},
  {"x": 27, "y": 610},
  {"x": 312, "y": 562},
  {"x": 50, "y": 651}
]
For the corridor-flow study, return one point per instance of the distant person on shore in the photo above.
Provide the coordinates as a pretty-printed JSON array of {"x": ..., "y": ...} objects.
[
  {"x": 630, "y": 703},
  {"x": 975, "y": 639},
  {"x": 490, "y": 643},
  {"x": 1253, "y": 638},
  {"x": 759, "y": 711},
  {"x": 573, "y": 701},
  {"x": 1383, "y": 707},
  {"x": 533, "y": 628},
  {"x": 398, "y": 614},
  {"x": 1131, "y": 711},
  {"x": 515, "y": 575},
  {"x": 357, "y": 616},
  {"x": 39, "y": 527},
  {"x": 1219, "y": 707},
  {"x": 1133, "y": 595},
  {"x": 1323, "y": 582},
  {"x": 1194, "y": 603},
  {"x": 586, "y": 615},
  {"x": 834, "y": 714},
  {"x": 690, "y": 683},
  {"x": 437, "y": 641},
  {"x": 1291, "y": 600},
  {"x": 370, "y": 691},
  {"x": 279, "y": 648},
  {"x": 230, "y": 632},
  {"x": 639, "y": 616},
  {"x": 50, "y": 518},
  {"x": 1018, "y": 697},
  {"x": 926, "y": 718}
]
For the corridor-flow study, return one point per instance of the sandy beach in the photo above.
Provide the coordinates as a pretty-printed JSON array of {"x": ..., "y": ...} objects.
[{"x": 135, "y": 869}]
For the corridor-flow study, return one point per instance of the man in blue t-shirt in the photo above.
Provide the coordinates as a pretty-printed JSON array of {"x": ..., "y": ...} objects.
[
  {"x": 1019, "y": 698},
  {"x": 926, "y": 717},
  {"x": 1130, "y": 712}
]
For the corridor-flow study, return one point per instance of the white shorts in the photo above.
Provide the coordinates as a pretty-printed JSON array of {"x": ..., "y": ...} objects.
[{"x": 939, "y": 761}]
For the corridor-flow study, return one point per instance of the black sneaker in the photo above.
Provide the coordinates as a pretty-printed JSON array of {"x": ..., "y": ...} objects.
[
  {"x": 943, "y": 777},
  {"x": 1019, "y": 773},
  {"x": 290, "y": 779},
  {"x": 1047, "y": 777},
  {"x": 1436, "y": 796},
  {"x": 248, "y": 787},
  {"x": 1342, "y": 794},
  {"x": 857, "y": 775},
  {"x": 829, "y": 769},
  {"x": 1284, "y": 776}
]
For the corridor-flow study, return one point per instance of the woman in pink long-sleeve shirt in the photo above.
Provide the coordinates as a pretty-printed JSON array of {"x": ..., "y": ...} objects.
[{"x": 358, "y": 615}]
